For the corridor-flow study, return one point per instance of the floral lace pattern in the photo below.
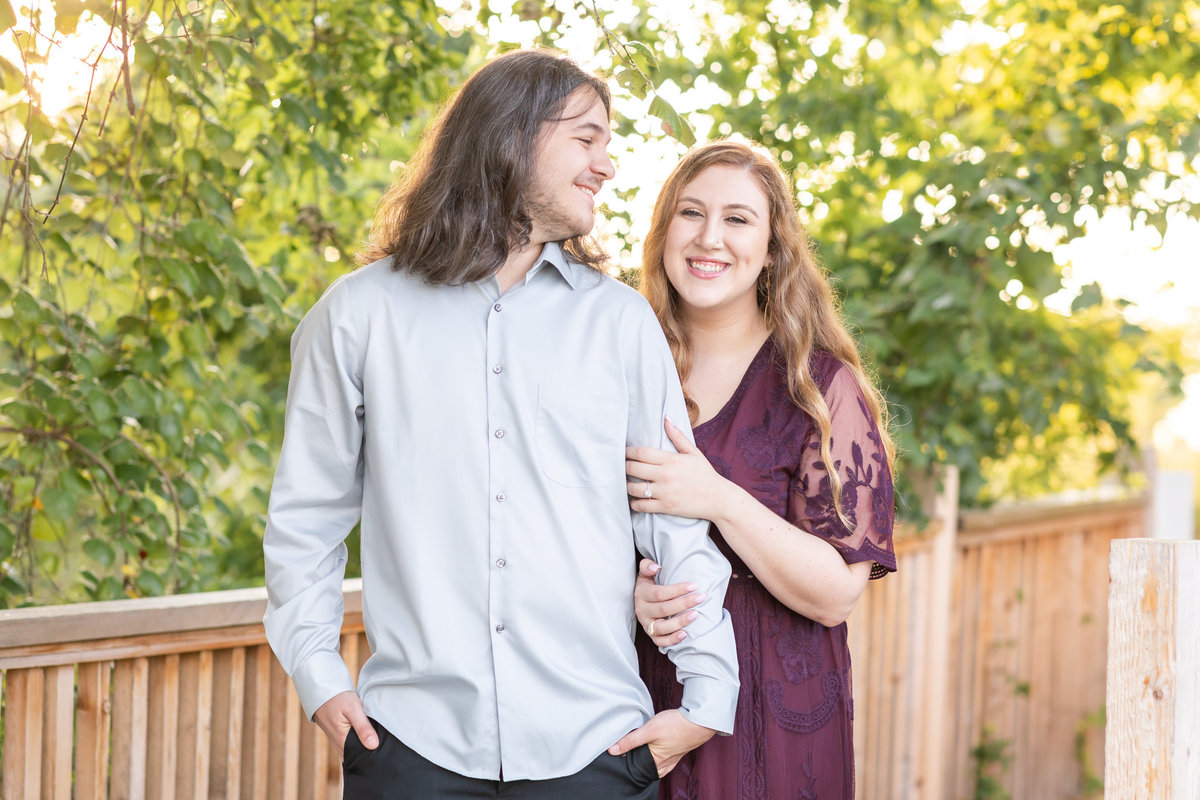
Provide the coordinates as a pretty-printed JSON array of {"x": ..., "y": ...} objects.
[{"x": 793, "y": 737}]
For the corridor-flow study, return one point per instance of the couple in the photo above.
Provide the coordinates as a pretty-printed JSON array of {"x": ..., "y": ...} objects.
[{"x": 508, "y": 424}]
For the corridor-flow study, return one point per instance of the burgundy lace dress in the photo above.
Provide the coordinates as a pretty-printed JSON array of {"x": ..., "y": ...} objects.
[{"x": 792, "y": 738}]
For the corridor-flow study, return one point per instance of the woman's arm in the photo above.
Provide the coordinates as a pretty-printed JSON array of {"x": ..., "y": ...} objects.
[{"x": 801, "y": 570}]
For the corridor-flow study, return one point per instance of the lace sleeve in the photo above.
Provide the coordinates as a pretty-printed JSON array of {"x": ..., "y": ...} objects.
[{"x": 866, "y": 495}]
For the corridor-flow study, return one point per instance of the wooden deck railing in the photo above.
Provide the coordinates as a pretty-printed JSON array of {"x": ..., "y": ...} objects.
[
  {"x": 993, "y": 630},
  {"x": 173, "y": 698}
]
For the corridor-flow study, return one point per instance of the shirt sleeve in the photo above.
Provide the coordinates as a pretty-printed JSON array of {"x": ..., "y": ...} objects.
[
  {"x": 316, "y": 499},
  {"x": 706, "y": 661},
  {"x": 867, "y": 492}
]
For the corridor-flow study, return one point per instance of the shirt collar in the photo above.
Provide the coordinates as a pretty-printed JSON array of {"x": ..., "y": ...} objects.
[{"x": 553, "y": 255}]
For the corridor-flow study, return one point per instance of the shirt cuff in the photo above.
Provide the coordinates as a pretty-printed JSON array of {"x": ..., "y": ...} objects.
[
  {"x": 318, "y": 678},
  {"x": 709, "y": 702}
]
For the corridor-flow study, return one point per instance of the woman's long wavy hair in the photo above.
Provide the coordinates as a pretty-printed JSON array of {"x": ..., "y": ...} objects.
[
  {"x": 459, "y": 208},
  {"x": 794, "y": 293}
]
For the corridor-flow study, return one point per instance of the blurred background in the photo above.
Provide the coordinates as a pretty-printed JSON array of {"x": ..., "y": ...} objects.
[{"x": 1005, "y": 193}]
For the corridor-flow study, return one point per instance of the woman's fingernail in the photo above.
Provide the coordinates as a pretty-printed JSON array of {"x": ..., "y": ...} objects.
[
  {"x": 698, "y": 599},
  {"x": 692, "y": 615},
  {"x": 691, "y": 587},
  {"x": 681, "y": 636}
]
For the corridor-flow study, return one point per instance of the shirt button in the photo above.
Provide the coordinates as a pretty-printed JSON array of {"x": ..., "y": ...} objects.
[
  {"x": 500, "y": 433},
  {"x": 500, "y": 628},
  {"x": 500, "y": 498},
  {"x": 497, "y": 307},
  {"x": 497, "y": 369},
  {"x": 500, "y": 562}
]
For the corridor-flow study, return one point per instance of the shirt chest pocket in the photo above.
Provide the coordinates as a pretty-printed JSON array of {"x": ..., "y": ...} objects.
[{"x": 580, "y": 436}]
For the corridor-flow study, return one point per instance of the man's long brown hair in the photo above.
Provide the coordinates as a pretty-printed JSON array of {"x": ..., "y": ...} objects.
[
  {"x": 459, "y": 208},
  {"x": 794, "y": 295}
]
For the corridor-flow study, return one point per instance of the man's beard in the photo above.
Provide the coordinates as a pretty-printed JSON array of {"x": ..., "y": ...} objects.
[{"x": 554, "y": 222}]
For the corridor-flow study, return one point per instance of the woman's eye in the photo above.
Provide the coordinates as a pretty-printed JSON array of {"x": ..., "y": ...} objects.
[
  {"x": 736, "y": 220},
  {"x": 690, "y": 212}
]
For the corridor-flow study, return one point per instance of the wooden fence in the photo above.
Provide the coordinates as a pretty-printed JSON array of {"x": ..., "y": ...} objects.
[
  {"x": 993, "y": 631},
  {"x": 1009, "y": 665},
  {"x": 177, "y": 698}
]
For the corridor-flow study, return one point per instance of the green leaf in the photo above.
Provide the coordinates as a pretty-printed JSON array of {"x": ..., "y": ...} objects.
[
  {"x": 11, "y": 585},
  {"x": 59, "y": 504},
  {"x": 27, "y": 309},
  {"x": 1089, "y": 296},
  {"x": 22, "y": 414},
  {"x": 181, "y": 274},
  {"x": 8, "y": 17},
  {"x": 66, "y": 15},
  {"x": 12, "y": 80},
  {"x": 635, "y": 81},
  {"x": 672, "y": 124},
  {"x": 218, "y": 137},
  {"x": 222, "y": 318},
  {"x": 102, "y": 406},
  {"x": 193, "y": 160},
  {"x": 258, "y": 91},
  {"x": 94, "y": 363},
  {"x": 295, "y": 112},
  {"x": 138, "y": 397},
  {"x": 150, "y": 583},
  {"x": 169, "y": 427},
  {"x": 260, "y": 453},
  {"x": 227, "y": 418},
  {"x": 642, "y": 56},
  {"x": 100, "y": 551},
  {"x": 195, "y": 338},
  {"x": 221, "y": 52}
]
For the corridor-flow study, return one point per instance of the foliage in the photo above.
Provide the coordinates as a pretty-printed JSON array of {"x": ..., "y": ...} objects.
[
  {"x": 161, "y": 238},
  {"x": 990, "y": 755},
  {"x": 940, "y": 151},
  {"x": 1091, "y": 727}
]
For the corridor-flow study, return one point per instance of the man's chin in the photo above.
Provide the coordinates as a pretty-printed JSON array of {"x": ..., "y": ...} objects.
[{"x": 573, "y": 232}]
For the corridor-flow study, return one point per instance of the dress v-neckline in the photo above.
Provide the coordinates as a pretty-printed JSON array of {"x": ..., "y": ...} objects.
[{"x": 752, "y": 370}]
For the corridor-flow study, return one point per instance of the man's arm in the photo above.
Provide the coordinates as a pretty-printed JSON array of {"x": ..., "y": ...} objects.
[
  {"x": 316, "y": 499},
  {"x": 706, "y": 661}
]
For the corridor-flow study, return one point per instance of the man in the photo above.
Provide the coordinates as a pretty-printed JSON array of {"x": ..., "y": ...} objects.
[{"x": 469, "y": 395}]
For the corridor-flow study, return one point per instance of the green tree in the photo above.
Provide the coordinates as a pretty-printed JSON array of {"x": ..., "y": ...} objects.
[
  {"x": 160, "y": 239},
  {"x": 162, "y": 236},
  {"x": 940, "y": 150}
]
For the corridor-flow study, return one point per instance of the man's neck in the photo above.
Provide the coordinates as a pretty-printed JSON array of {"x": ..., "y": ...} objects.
[{"x": 518, "y": 264}]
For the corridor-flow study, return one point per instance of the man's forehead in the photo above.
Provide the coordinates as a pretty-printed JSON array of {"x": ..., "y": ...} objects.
[
  {"x": 584, "y": 108},
  {"x": 582, "y": 100}
]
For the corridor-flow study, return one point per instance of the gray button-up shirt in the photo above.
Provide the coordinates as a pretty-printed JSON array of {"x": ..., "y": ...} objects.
[{"x": 481, "y": 439}]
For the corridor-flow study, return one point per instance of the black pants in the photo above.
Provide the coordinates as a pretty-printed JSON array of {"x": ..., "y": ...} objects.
[{"x": 393, "y": 771}]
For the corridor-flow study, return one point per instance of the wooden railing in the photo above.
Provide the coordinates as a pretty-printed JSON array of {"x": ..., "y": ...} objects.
[
  {"x": 176, "y": 698},
  {"x": 992, "y": 630}
]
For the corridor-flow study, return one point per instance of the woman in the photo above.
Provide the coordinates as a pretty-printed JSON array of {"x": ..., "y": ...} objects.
[{"x": 777, "y": 394}]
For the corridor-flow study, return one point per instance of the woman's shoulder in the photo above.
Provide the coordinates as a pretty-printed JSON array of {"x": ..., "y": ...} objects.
[{"x": 824, "y": 367}]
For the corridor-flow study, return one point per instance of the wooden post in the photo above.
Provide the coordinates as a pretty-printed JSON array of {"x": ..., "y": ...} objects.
[
  {"x": 1152, "y": 742},
  {"x": 934, "y": 765}
]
